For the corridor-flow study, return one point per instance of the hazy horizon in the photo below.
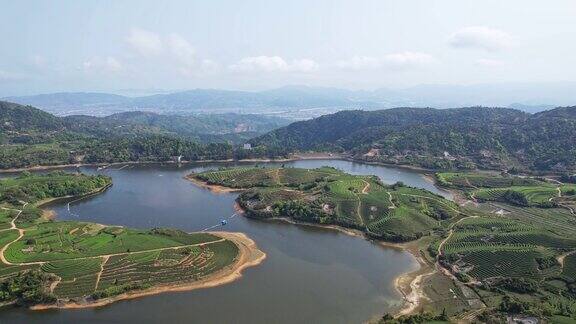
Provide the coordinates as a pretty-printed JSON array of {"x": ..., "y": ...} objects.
[{"x": 104, "y": 46}]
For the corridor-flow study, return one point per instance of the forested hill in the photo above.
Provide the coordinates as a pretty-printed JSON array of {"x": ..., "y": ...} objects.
[
  {"x": 31, "y": 137},
  {"x": 497, "y": 138},
  {"x": 23, "y": 123},
  {"x": 15, "y": 117}
]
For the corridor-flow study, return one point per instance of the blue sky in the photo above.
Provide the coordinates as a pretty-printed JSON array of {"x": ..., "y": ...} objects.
[{"x": 52, "y": 46}]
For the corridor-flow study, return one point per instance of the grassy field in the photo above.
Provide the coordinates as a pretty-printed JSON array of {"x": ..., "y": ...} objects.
[{"x": 84, "y": 259}]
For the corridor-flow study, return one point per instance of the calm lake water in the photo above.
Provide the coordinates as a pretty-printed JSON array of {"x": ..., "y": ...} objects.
[{"x": 310, "y": 275}]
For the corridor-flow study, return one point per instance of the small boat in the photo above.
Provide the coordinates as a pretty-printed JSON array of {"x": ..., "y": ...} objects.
[{"x": 224, "y": 222}]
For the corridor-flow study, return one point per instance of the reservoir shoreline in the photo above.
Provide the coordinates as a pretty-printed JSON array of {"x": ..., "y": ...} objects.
[
  {"x": 397, "y": 289},
  {"x": 408, "y": 284}
]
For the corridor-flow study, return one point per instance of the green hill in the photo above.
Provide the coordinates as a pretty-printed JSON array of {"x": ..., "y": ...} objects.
[
  {"x": 31, "y": 137},
  {"x": 497, "y": 138},
  {"x": 15, "y": 118},
  {"x": 330, "y": 196}
]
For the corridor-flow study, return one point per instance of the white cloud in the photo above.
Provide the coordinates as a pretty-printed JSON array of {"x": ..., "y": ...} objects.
[
  {"x": 481, "y": 37},
  {"x": 145, "y": 42},
  {"x": 489, "y": 63},
  {"x": 181, "y": 49},
  {"x": 273, "y": 64},
  {"x": 400, "y": 60},
  {"x": 102, "y": 65}
]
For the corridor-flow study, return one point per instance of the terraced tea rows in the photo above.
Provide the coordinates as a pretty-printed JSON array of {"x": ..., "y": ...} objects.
[
  {"x": 525, "y": 196},
  {"x": 330, "y": 196},
  {"x": 503, "y": 263},
  {"x": 475, "y": 180},
  {"x": 76, "y": 259},
  {"x": 87, "y": 275},
  {"x": 265, "y": 177},
  {"x": 569, "y": 268}
]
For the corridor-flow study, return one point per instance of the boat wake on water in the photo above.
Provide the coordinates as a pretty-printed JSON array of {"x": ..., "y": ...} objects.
[{"x": 222, "y": 223}]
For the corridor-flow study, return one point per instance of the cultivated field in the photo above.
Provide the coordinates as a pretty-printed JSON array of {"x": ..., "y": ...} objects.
[
  {"x": 84, "y": 261},
  {"x": 329, "y": 196}
]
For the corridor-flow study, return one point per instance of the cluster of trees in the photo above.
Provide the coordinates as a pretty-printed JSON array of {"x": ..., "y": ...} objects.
[
  {"x": 299, "y": 210},
  {"x": 570, "y": 178},
  {"x": 117, "y": 290},
  {"x": 32, "y": 188},
  {"x": 423, "y": 317},
  {"x": 26, "y": 288}
]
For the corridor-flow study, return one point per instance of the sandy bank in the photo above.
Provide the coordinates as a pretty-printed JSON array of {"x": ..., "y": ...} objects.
[
  {"x": 212, "y": 187},
  {"x": 249, "y": 255},
  {"x": 409, "y": 284}
]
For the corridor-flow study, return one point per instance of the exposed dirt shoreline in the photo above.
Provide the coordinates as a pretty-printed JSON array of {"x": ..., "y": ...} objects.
[
  {"x": 212, "y": 187},
  {"x": 319, "y": 156},
  {"x": 408, "y": 284},
  {"x": 249, "y": 255}
]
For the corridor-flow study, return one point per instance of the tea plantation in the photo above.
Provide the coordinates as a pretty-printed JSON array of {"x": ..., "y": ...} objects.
[{"x": 46, "y": 261}]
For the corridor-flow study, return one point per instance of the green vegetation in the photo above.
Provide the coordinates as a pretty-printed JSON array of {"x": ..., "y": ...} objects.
[
  {"x": 415, "y": 319},
  {"x": 511, "y": 251},
  {"x": 463, "y": 138},
  {"x": 31, "y": 137},
  {"x": 517, "y": 251},
  {"x": 460, "y": 180},
  {"x": 35, "y": 188},
  {"x": 329, "y": 196},
  {"x": 44, "y": 261}
]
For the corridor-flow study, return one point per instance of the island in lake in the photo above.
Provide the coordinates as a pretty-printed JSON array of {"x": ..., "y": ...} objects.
[
  {"x": 70, "y": 264},
  {"x": 508, "y": 246}
]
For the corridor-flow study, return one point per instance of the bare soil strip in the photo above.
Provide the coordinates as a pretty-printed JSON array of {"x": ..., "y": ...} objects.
[{"x": 213, "y": 188}]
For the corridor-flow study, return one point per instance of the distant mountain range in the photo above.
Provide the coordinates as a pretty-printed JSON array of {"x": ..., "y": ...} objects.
[
  {"x": 192, "y": 101},
  {"x": 530, "y": 97}
]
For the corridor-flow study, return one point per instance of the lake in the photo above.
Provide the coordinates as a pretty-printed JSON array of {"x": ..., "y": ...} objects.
[{"x": 310, "y": 275}]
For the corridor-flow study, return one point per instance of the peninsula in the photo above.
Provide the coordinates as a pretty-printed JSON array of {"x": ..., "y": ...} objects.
[{"x": 72, "y": 264}]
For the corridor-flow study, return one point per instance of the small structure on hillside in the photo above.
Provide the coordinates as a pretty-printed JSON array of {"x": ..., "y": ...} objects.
[{"x": 247, "y": 146}]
